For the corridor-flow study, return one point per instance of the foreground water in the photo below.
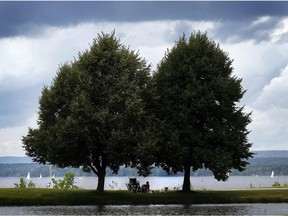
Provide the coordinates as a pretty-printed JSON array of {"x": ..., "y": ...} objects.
[
  {"x": 158, "y": 183},
  {"x": 227, "y": 209}
]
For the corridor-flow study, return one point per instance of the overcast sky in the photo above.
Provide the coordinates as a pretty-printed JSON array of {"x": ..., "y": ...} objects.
[{"x": 36, "y": 37}]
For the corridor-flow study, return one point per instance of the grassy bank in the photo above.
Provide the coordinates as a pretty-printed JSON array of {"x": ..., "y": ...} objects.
[{"x": 15, "y": 197}]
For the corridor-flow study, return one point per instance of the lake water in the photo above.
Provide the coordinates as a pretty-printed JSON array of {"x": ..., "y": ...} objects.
[
  {"x": 227, "y": 209},
  {"x": 158, "y": 183}
]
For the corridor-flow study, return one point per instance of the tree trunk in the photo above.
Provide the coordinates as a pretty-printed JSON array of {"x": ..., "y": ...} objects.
[
  {"x": 186, "y": 183},
  {"x": 101, "y": 180}
]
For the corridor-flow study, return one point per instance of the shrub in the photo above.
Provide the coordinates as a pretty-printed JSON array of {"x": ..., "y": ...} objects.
[
  {"x": 66, "y": 183},
  {"x": 31, "y": 184},
  {"x": 23, "y": 184},
  {"x": 276, "y": 184}
]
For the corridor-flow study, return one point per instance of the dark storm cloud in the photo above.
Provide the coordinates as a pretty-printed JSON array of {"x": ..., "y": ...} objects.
[
  {"x": 19, "y": 17},
  {"x": 17, "y": 105},
  {"x": 245, "y": 29}
]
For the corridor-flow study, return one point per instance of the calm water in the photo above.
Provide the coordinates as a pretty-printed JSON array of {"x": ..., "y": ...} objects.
[
  {"x": 158, "y": 183},
  {"x": 229, "y": 209}
]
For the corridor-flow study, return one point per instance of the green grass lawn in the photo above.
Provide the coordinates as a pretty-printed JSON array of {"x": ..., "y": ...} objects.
[{"x": 36, "y": 196}]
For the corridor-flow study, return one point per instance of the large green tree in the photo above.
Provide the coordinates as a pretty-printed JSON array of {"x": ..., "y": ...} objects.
[
  {"x": 93, "y": 115},
  {"x": 199, "y": 123}
]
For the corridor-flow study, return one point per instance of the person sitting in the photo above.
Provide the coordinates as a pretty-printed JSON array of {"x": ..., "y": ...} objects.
[{"x": 146, "y": 187}]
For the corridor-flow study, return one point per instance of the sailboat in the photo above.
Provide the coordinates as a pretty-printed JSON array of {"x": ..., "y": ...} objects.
[
  {"x": 40, "y": 177},
  {"x": 272, "y": 174},
  {"x": 28, "y": 175}
]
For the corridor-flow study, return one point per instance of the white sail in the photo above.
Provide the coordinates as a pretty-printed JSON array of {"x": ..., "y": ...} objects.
[
  {"x": 272, "y": 174},
  {"x": 40, "y": 177},
  {"x": 28, "y": 175}
]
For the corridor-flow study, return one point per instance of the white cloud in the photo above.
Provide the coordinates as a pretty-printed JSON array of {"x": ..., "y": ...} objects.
[
  {"x": 256, "y": 63},
  {"x": 10, "y": 138},
  {"x": 27, "y": 61},
  {"x": 269, "y": 129},
  {"x": 270, "y": 114},
  {"x": 261, "y": 64},
  {"x": 275, "y": 93},
  {"x": 280, "y": 31},
  {"x": 261, "y": 20},
  {"x": 153, "y": 38}
]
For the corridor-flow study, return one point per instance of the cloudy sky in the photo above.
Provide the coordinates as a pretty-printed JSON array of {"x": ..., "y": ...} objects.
[{"x": 36, "y": 37}]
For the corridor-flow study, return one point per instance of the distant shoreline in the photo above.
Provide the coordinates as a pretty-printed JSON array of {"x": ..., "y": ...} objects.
[{"x": 257, "y": 154}]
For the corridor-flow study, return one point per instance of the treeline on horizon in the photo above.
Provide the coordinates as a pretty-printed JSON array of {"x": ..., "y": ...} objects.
[{"x": 257, "y": 166}]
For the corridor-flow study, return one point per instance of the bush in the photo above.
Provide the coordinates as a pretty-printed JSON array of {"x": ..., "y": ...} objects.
[
  {"x": 31, "y": 184},
  {"x": 23, "y": 184},
  {"x": 66, "y": 183},
  {"x": 276, "y": 184}
]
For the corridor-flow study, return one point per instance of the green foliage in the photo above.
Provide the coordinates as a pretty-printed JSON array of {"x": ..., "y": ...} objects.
[
  {"x": 199, "y": 124},
  {"x": 277, "y": 184},
  {"x": 66, "y": 183},
  {"x": 31, "y": 184},
  {"x": 94, "y": 113},
  {"x": 23, "y": 184}
]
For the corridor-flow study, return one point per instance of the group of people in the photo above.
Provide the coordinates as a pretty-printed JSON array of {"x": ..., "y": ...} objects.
[{"x": 134, "y": 186}]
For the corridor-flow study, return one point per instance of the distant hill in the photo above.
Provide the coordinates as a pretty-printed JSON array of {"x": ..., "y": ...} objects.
[
  {"x": 258, "y": 154},
  {"x": 271, "y": 154},
  {"x": 263, "y": 163},
  {"x": 15, "y": 160}
]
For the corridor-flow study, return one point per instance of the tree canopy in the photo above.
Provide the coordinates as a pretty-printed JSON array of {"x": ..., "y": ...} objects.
[
  {"x": 199, "y": 123},
  {"x": 93, "y": 114},
  {"x": 105, "y": 110}
]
